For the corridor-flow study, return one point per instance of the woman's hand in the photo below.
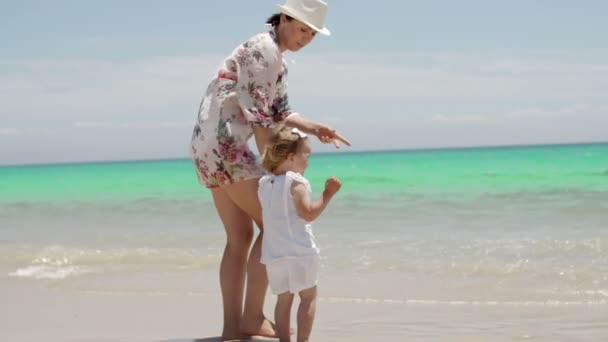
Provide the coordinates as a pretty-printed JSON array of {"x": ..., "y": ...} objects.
[{"x": 327, "y": 134}]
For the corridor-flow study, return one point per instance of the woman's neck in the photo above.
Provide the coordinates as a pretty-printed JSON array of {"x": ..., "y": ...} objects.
[{"x": 278, "y": 40}]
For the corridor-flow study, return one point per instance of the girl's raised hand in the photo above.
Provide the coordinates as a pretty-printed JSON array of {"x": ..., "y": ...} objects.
[{"x": 332, "y": 185}]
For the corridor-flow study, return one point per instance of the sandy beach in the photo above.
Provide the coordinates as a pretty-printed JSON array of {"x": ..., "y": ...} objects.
[{"x": 110, "y": 311}]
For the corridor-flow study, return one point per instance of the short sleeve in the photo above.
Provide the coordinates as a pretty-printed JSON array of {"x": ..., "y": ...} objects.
[
  {"x": 298, "y": 178},
  {"x": 258, "y": 64}
]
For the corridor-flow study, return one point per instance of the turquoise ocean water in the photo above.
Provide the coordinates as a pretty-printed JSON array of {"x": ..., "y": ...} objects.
[{"x": 510, "y": 225}]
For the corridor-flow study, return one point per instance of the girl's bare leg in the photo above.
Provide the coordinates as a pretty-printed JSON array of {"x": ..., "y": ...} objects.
[
  {"x": 282, "y": 315},
  {"x": 306, "y": 313}
]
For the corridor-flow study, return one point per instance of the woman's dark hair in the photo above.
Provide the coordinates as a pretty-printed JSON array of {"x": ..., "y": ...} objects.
[{"x": 275, "y": 19}]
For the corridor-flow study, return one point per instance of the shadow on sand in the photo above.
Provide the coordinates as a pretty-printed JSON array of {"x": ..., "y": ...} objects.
[{"x": 218, "y": 339}]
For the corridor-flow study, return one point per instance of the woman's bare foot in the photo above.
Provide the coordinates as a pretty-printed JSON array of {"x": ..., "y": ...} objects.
[
  {"x": 234, "y": 336},
  {"x": 264, "y": 328}
]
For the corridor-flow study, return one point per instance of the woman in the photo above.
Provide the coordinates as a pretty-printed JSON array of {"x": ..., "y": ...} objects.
[{"x": 246, "y": 98}]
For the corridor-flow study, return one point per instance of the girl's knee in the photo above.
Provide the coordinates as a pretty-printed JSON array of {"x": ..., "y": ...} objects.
[
  {"x": 308, "y": 296},
  {"x": 308, "y": 302}
]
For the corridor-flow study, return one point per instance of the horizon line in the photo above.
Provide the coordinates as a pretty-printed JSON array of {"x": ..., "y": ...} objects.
[{"x": 463, "y": 147}]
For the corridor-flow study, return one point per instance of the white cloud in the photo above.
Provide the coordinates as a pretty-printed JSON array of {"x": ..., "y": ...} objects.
[
  {"x": 135, "y": 124},
  {"x": 423, "y": 97},
  {"x": 92, "y": 124},
  {"x": 90, "y": 90},
  {"x": 451, "y": 76},
  {"x": 540, "y": 112},
  {"x": 10, "y": 131},
  {"x": 157, "y": 124},
  {"x": 529, "y": 113},
  {"x": 170, "y": 87},
  {"x": 458, "y": 118}
]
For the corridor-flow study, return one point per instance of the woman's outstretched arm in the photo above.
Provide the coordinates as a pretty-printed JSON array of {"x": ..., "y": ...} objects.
[{"x": 325, "y": 133}]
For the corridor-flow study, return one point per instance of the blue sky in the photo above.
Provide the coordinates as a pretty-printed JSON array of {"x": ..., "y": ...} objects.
[{"x": 114, "y": 80}]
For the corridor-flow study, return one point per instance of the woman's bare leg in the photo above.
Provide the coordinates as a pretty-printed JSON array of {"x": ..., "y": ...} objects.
[
  {"x": 239, "y": 233},
  {"x": 253, "y": 322}
]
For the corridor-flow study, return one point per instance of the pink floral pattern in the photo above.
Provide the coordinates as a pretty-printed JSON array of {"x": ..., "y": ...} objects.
[{"x": 250, "y": 89}]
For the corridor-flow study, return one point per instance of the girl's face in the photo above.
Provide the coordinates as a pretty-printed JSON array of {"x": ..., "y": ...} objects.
[
  {"x": 299, "y": 160},
  {"x": 294, "y": 34}
]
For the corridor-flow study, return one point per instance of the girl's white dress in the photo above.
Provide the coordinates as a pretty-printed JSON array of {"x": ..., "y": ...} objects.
[{"x": 288, "y": 247}]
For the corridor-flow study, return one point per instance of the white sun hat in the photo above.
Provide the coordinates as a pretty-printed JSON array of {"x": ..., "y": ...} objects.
[{"x": 310, "y": 12}]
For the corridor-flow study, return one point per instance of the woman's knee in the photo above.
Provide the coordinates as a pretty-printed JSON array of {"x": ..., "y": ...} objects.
[{"x": 241, "y": 239}]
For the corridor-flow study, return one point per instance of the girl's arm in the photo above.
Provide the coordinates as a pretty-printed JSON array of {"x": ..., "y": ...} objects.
[{"x": 307, "y": 209}]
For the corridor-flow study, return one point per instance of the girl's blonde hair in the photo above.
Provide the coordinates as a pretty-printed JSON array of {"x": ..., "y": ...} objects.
[{"x": 283, "y": 141}]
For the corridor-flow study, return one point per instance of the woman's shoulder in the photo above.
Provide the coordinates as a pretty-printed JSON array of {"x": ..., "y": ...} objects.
[
  {"x": 262, "y": 41},
  {"x": 259, "y": 49}
]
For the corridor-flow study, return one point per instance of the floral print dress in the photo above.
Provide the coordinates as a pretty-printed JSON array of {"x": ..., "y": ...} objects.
[{"x": 250, "y": 89}]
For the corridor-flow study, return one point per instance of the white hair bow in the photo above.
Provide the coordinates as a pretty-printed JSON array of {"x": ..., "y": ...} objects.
[{"x": 298, "y": 133}]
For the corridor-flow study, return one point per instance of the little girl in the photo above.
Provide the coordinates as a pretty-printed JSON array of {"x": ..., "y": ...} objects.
[{"x": 288, "y": 247}]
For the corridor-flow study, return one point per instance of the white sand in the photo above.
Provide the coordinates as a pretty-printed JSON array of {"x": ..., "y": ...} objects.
[{"x": 34, "y": 310}]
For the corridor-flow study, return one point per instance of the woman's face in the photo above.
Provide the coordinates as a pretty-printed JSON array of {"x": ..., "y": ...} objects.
[{"x": 294, "y": 34}]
